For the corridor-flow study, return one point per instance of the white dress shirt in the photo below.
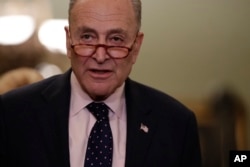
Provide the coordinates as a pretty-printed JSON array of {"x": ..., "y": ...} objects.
[{"x": 81, "y": 122}]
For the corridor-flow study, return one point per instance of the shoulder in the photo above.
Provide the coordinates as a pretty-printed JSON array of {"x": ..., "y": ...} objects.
[
  {"x": 35, "y": 89},
  {"x": 28, "y": 90},
  {"x": 157, "y": 100}
]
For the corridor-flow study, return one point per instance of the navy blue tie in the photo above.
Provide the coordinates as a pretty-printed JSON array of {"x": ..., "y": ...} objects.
[{"x": 100, "y": 144}]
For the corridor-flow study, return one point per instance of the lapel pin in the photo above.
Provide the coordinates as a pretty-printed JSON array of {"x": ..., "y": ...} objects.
[{"x": 144, "y": 128}]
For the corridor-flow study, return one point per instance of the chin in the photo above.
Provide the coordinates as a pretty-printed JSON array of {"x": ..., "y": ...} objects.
[
  {"x": 100, "y": 92},
  {"x": 99, "y": 98}
]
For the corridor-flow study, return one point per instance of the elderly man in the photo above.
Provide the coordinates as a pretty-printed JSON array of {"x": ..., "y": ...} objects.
[{"x": 94, "y": 115}]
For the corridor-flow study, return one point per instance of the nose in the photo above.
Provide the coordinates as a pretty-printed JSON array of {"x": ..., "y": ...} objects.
[{"x": 101, "y": 54}]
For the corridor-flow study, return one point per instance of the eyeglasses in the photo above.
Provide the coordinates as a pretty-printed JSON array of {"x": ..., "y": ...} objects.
[{"x": 116, "y": 52}]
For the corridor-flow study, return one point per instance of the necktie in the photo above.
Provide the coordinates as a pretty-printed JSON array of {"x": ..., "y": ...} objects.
[{"x": 100, "y": 144}]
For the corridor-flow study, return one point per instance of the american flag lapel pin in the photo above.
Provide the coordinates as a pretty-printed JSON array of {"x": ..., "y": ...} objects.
[{"x": 144, "y": 128}]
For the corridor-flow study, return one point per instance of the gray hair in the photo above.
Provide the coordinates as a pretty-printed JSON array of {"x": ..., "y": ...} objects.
[{"x": 136, "y": 5}]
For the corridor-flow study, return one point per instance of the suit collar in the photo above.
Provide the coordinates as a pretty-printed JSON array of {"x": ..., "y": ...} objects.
[
  {"x": 59, "y": 85},
  {"x": 55, "y": 112},
  {"x": 141, "y": 123}
]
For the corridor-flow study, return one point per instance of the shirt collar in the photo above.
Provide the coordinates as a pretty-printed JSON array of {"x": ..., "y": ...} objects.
[{"x": 80, "y": 99}]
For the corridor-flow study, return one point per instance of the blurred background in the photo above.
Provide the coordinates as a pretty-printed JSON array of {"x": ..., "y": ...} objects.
[{"x": 196, "y": 51}]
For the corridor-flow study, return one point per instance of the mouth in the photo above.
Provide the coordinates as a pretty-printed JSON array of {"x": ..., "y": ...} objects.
[{"x": 100, "y": 73}]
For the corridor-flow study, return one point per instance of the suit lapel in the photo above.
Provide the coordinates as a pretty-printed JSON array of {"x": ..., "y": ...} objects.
[
  {"x": 141, "y": 125},
  {"x": 54, "y": 119}
]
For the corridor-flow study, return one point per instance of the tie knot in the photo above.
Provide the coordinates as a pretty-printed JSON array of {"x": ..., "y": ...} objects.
[{"x": 99, "y": 110}]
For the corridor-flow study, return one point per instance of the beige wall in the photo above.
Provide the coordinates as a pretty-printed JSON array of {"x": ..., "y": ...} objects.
[{"x": 192, "y": 47}]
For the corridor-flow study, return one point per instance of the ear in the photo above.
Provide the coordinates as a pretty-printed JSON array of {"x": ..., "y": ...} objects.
[
  {"x": 137, "y": 45},
  {"x": 68, "y": 41}
]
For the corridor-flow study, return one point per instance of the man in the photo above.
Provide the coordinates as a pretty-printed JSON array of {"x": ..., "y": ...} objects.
[{"x": 50, "y": 123}]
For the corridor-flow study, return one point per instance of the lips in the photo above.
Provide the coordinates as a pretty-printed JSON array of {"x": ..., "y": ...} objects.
[{"x": 100, "y": 73}]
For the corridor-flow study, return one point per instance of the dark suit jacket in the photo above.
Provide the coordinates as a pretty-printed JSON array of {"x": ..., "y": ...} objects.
[{"x": 34, "y": 127}]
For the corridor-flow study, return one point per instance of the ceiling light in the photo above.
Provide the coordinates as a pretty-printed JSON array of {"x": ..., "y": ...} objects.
[{"x": 16, "y": 29}]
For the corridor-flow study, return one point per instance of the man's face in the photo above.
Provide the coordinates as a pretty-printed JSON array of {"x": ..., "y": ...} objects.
[{"x": 109, "y": 22}]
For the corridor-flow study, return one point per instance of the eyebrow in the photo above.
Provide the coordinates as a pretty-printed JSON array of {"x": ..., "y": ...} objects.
[
  {"x": 118, "y": 31},
  {"x": 85, "y": 29},
  {"x": 111, "y": 31}
]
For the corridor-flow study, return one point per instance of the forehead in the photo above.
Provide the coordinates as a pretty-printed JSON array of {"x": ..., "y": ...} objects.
[{"x": 103, "y": 13}]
